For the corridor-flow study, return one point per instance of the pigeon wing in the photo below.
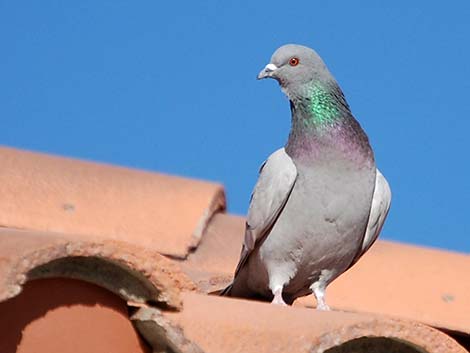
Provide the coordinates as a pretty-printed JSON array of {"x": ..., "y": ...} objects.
[
  {"x": 276, "y": 180},
  {"x": 378, "y": 212}
]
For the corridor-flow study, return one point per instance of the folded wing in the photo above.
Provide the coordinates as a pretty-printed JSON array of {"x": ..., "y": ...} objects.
[
  {"x": 378, "y": 212},
  {"x": 276, "y": 180}
]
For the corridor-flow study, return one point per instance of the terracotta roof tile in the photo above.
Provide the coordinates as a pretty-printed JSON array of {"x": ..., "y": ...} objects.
[
  {"x": 160, "y": 212},
  {"x": 130, "y": 271},
  {"x": 161, "y": 333},
  {"x": 211, "y": 266},
  {"x": 220, "y": 325}
]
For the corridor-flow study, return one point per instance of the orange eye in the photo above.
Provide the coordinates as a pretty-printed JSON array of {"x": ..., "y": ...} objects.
[{"x": 294, "y": 61}]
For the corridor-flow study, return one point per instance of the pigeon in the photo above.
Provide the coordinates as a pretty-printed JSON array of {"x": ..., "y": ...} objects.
[{"x": 320, "y": 202}]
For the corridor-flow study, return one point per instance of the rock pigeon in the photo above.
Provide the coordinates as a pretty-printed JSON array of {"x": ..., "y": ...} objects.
[{"x": 320, "y": 202}]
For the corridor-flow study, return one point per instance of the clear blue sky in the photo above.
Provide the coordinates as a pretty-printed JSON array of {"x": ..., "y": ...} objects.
[{"x": 170, "y": 86}]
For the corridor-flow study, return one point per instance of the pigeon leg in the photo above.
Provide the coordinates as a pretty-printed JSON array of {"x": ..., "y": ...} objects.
[
  {"x": 278, "y": 297},
  {"x": 318, "y": 288},
  {"x": 320, "y": 296}
]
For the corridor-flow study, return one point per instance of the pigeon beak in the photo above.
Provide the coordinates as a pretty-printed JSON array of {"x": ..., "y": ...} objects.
[{"x": 267, "y": 71}]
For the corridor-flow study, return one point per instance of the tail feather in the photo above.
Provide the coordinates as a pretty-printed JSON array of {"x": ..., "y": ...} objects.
[{"x": 227, "y": 291}]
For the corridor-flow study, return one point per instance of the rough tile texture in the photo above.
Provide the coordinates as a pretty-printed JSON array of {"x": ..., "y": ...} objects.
[
  {"x": 134, "y": 273},
  {"x": 229, "y": 325},
  {"x": 48, "y": 193},
  {"x": 162, "y": 334},
  {"x": 63, "y": 315},
  {"x": 212, "y": 265}
]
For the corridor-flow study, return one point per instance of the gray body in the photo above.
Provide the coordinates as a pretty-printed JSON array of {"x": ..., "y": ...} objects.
[
  {"x": 317, "y": 235},
  {"x": 319, "y": 203}
]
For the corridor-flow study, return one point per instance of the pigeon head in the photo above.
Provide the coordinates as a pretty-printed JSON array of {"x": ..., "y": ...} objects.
[{"x": 295, "y": 65}]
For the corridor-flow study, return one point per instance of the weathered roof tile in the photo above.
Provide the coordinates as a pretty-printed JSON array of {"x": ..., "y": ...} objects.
[
  {"x": 220, "y": 325},
  {"x": 160, "y": 212},
  {"x": 132, "y": 272}
]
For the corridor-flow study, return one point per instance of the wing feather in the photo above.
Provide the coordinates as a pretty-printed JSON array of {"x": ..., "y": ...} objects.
[
  {"x": 276, "y": 180},
  {"x": 378, "y": 212}
]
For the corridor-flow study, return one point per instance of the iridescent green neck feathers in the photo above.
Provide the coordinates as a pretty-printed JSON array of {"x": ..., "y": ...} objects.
[
  {"x": 318, "y": 106},
  {"x": 322, "y": 121}
]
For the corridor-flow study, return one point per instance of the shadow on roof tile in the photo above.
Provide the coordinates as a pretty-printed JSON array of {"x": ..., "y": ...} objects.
[{"x": 63, "y": 315}]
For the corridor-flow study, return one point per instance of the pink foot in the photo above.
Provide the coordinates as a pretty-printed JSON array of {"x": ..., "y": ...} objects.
[{"x": 278, "y": 297}]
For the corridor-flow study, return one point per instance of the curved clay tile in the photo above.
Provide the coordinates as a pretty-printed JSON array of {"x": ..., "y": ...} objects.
[
  {"x": 134, "y": 273},
  {"x": 165, "y": 213},
  {"x": 221, "y": 325}
]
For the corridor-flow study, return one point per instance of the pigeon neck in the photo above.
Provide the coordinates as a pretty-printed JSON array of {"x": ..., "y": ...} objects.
[
  {"x": 322, "y": 121},
  {"x": 318, "y": 107}
]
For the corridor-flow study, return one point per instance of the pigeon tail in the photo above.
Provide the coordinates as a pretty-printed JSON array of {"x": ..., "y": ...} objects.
[{"x": 227, "y": 291}]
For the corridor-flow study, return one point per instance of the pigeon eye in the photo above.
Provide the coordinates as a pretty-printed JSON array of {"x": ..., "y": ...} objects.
[{"x": 294, "y": 61}]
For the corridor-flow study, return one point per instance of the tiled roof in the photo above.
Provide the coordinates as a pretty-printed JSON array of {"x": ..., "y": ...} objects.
[
  {"x": 54, "y": 194},
  {"x": 153, "y": 246},
  {"x": 134, "y": 273},
  {"x": 230, "y": 325}
]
